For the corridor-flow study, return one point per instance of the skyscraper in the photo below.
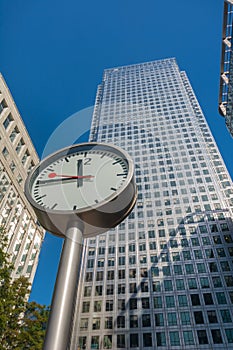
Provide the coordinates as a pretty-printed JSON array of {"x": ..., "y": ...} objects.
[
  {"x": 226, "y": 69},
  {"x": 163, "y": 278},
  {"x": 17, "y": 157}
]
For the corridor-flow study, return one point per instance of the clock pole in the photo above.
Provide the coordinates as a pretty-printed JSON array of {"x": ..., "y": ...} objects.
[{"x": 59, "y": 327}]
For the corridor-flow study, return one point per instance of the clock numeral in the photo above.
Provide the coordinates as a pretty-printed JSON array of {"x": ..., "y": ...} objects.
[
  {"x": 74, "y": 207},
  {"x": 67, "y": 160},
  {"x": 87, "y": 161},
  {"x": 54, "y": 206},
  {"x": 113, "y": 189}
]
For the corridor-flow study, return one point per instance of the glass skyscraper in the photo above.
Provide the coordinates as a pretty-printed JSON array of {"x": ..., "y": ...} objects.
[{"x": 163, "y": 278}]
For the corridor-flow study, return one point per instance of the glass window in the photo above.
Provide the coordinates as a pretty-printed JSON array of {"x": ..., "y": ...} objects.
[
  {"x": 185, "y": 318},
  {"x": 195, "y": 299},
  {"x": 172, "y": 319},
  {"x": 202, "y": 337},
  {"x": 108, "y": 341},
  {"x": 159, "y": 320},
  {"x": 146, "y": 320},
  {"x": 157, "y": 302},
  {"x": 95, "y": 342},
  {"x": 96, "y": 323},
  {"x": 161, "y": 338},
  {"x": 134, "y": 340},
  {"x": 147, "y": 339},
  {"x": 174, "y": 338},
  {"x": 216, "y": 335},
  {"x": 226, "y": 316},
  {"x": 109, "y": 305},
  {"x": 229, "y": 334},
  {"x": 188, "y": 338},
  {"x": 198, "y": 316},
  {"x": 170, "y": 301},
  {"x": 97, "y": 305},
  {"x": 133, "y": 321},
  {"x": 121, "y": 341},
  {"x": 120, "y": 321}
]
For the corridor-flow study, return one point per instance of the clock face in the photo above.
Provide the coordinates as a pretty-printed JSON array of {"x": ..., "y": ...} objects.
[{"x": 80, "y": 179}]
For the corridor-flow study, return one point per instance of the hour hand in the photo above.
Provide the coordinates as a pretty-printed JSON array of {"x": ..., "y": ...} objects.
[{"x": 80, "y": 173}]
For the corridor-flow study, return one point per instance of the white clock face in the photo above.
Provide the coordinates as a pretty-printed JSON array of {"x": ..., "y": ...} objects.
[{"x": 80, "y": 180}]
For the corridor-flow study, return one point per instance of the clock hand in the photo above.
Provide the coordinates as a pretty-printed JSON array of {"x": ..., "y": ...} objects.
[
  {"x": 80, "y": 172},
  {"x": 52, "y": 175}
]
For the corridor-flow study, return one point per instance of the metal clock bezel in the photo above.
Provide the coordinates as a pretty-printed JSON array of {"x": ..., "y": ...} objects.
[{"x": 96, "y": 218}]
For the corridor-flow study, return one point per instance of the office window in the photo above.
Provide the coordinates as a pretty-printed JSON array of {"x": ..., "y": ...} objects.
[
  {"x": 188, "y": 338},
  {"x": 108, "y": 341},
  {"x": 121, "y": 341},
  {"x": 86, "y": 306},
  {"x": 172, "y": 319},
  {"x": 95, "y": 342},
  {"x": 147, "y": 339},
  {"x": 202, "y": 337},
  {"x": 161, "y": 338},
  {"x": 97, "y": 305},
  {"x": 195, "y": 299},
  {"x": 87, "y": 291},
  {"x": 159, "y": 320},
  {"x": 84, "y": 324},
  {"x": 96, "y": 323},
  {"x": 134, "y": 340},
  {"x": 120, "y": 321},
  {"x": 221, "y": 298},
  {"x": 157, "y": 302},
  {"x": 7, "y": 121},
  {"x": 146, "y": 322},
  {"x": 133, "y": 304},
  {"x": 174, "y": 338},
  {"x": 229, "y": 334},
  {"x": 216, "y": 335},
  {"x": 185, "y": 318},
  {"x": 98, "y": 290},
  {"x": 170, "y": 301},
  {"x": 108, "y": 323},
  {"x": 133, "y": 321},
  {"x": 212, "y": 316},
  {"x": 226, "y": 316},
  {"x": 182, "y": 300},
  {"x": 198, "y": 316},
  {"x": 109, "y": 305},
  {"x": 145, "y": 303}
]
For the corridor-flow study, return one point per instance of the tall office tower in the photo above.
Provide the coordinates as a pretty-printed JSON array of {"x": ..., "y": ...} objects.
[
  {"x": 226, "y": 69},
  {"x": 17, "y": 156},
  {"x": 163, "y": 278}
]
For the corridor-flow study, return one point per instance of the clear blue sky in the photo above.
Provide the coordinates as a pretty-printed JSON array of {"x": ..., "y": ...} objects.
[{"x": 53, "y": 54}]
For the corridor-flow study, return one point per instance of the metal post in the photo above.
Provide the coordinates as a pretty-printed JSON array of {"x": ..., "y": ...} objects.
[{"x": 63, "y": 303}]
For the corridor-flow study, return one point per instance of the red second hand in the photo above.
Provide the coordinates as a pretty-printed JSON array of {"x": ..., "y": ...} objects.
[{"x": 52, "y": 175}]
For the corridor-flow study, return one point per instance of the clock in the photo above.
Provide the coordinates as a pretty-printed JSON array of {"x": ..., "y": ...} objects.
[{"x": 91, "y": 183}]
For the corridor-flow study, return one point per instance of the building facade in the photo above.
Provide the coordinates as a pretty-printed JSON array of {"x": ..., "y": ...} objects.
[
  {"x": 17, "y": 157},
  {"x": 226, "y": 68},
  {"x": 163, "y": 278}
]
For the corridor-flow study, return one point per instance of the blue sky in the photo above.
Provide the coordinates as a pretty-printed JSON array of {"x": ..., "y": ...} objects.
[{"x": 53, "y": 54}]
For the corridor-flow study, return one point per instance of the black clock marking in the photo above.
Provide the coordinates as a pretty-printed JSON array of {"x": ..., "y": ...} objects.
[
  {"x": 117, "y": 161},
  {"x": 54, "y": 206},
  {"x": 113, "y": 188},
  {"x": 87, "y": 161},
  {"x": 40, "y": 197},
  {"x": 74, "y": 207}
]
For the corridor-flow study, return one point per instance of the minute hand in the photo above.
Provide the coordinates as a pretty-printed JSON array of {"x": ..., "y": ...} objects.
[{"x": 62, "y": 179}]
